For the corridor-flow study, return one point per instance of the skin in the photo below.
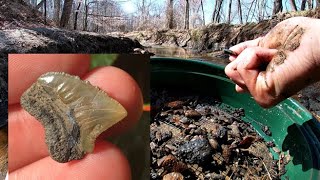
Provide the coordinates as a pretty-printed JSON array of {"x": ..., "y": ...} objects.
[
  {"x": 278, "y": 65},
  {"x": 28, "y": 154}
]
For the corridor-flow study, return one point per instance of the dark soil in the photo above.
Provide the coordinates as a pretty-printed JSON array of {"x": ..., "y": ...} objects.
[
  {"x": 3, "y": 151},
  {"x": 17, "y": 13},
  {"x": 3, "y": 91},
  {"x": 198, "y": 137},
  {"x": 52, "y": 40}
]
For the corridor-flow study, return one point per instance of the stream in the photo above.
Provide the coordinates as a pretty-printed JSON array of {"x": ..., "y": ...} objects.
[{"x": 166, "y": 51}]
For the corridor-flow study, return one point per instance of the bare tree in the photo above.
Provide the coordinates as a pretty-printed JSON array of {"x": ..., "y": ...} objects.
[
  {"x": 86, "y": 9},
  {"x": 229, "y": 12},
  {"x": 310, "y": 4},
  {"x": 76, "y": 16},
  {"x": 277, "y": 6},
  {"x": 169, "y": 16},
  {"x": 204, "y": 22},
  {"x": 240, "y": 12},
  {"x": 187, "y": 12},
  {"x": 293, "y": 5},
  {"x": 45, "y": 11},
  {"x": 56, "y": 12},
  {"x": 40, "y": 4},
  {"x": 303, "y": 5},
  {"x": 216, "y": 12},
  {"x": 249, "y": 11},
  {"x": 66, "y": 12}
]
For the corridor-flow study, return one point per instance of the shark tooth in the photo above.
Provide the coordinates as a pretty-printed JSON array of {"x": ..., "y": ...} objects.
[{"x": 73, "y": 112}]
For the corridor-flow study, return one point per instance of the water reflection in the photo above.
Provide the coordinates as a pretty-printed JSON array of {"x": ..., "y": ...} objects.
[{"x": 166, "y": 51}]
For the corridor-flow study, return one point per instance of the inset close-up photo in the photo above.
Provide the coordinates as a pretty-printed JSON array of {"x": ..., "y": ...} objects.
[{"x": 64, "y": 107}]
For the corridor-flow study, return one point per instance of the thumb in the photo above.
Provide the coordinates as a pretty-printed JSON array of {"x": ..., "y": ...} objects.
[{"x": 251, "y": 68}]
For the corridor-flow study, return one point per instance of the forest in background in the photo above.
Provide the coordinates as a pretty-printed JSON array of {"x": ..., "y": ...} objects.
[{"x": 104, "y": 16}]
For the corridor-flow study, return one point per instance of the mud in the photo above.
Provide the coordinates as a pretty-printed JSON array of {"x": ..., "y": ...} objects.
[{"x": 284, "y": 40}]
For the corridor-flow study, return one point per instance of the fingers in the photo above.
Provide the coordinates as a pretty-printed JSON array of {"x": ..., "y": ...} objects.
[
  {"x": 242, "y": 46},
  {"x": 24, "y": 69},
  {"x": 106, "y": 162},
  {"x": 259, "y": 86},
  {"x": 246, "y": 72},
  {"x": 232, "y": 72},
  {"x": 26, "y": 139},
  {"x": 122, "y": 87}
]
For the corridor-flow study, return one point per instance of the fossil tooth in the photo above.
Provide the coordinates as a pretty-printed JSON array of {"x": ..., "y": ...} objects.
[{"x": 73, "y": 113}]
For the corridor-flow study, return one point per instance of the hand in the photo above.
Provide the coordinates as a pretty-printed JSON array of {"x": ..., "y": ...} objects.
[
  {"x": 28, "y": 154},
  {"x": 276, "y": 66}
]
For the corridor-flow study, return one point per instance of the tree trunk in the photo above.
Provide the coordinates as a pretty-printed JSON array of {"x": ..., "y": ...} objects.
[
  {"x": 143, "y": 14},
  {"x": 249, "y": 11},
  {"x": 240, "y": 12},
  {"x": 186, "y": 18},
  {"x": 317, "y": 3},
  {"x": 310, "y": 4},
  {"x": 303, "y": 5},
  {"x": 40, "y": 4},
  {"x": 216, "y": 12},
  {"x": 169, "y": 17},
  {"x": 293, "y": 5},
  {"x": 45, "y": 11},
  {"x": 56, "y": 13},
  {"x": 76, "y": 17},
  {"x": 204, "y": 21},
  {"x": 66, "y": 12},
  {"x": 277, "y": 7},
  {"x": 260, "y": 10},
  {"x": 85, "y": 26},
  {"x": 229, "y": 12}
]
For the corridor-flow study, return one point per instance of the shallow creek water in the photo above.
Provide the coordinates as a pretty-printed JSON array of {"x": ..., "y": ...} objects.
[{"x": 166, "y": 51}]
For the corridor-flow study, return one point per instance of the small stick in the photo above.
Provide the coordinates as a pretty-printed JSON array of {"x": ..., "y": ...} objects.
[{"x": 266, "y": 168}]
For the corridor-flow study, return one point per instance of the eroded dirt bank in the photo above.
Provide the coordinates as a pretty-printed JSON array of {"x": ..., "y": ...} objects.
[{"x": 212, "y": 37}]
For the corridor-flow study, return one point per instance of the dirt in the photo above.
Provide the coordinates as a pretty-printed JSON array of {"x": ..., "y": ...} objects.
[
  {"x": 3, "y": 151},
  {"x": 198, "y": 137},
  {"x": 3, "y": 91},
  {"x": 52, "y": 40},
  {"x": 17, "y": 13},
  {"x": 23, "y": 30},
  {"x": 309, "y": 97},
  {"x": 212, "y": 37}
]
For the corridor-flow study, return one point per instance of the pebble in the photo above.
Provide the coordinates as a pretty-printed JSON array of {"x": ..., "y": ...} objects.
[
  {"x": 192, "y": 114},
  {"x": 276, "y": 150},
  {"x": 173, "y": 176},
  {"x": 184, "y": 120}
]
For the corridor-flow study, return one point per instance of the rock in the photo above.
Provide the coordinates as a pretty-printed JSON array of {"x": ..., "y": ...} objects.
[
  {"x": 173, "y": 176},
  {"x": 198, "y": 150},
  {"x": 171, "y": 164},
  {"x": 175, "y": 104},
  {"x": 192, "y": 114},
  {"x": 214, "y": 143}
]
